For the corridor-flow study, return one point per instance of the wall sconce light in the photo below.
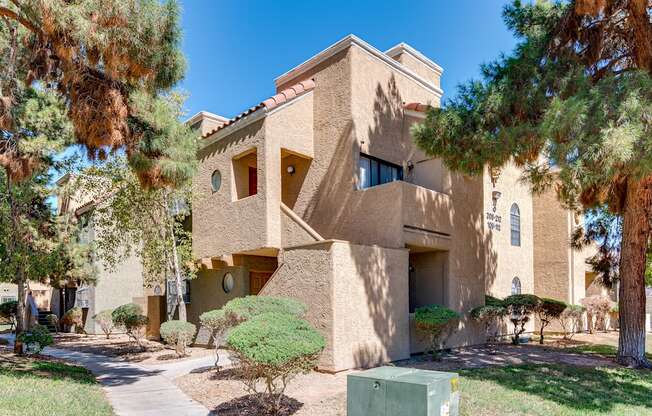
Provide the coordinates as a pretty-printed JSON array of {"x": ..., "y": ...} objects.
[
  {"x": 290, "y": 169},
  {"x": 410, "y": 166},
  {"x": 495, "y": 195}
]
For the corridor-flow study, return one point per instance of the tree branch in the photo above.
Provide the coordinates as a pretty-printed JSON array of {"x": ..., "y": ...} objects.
[{"x": 15, "y": 16}]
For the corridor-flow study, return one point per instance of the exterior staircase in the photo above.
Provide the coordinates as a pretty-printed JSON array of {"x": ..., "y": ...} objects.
[{"x": 43, "y": 320}]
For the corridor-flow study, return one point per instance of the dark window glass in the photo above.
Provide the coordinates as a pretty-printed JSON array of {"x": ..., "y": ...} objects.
[{"x": 374, "y": 172}]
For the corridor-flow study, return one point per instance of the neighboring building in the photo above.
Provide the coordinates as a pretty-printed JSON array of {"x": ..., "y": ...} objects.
[
  {"x": 112, "y": 288},
  {"x": 560, "y": 272},
  {"x": 8, "y": 292},
  {"x": 319, "y": 193}
]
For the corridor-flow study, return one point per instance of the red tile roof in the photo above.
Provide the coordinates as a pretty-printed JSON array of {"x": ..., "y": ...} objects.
[
  {"x": 270, "y": 103},
  {"x": 422, "y": 108}
]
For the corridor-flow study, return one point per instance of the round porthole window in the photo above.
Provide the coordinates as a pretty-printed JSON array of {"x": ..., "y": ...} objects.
[
  {"x": 228, "y": 282},
  {"x": 216, "y": 181}
]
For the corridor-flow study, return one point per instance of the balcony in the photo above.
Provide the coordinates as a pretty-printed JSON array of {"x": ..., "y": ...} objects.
[{"x": 400, "y": 213}]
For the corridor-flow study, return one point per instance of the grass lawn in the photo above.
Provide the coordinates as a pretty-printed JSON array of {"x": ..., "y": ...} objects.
[
  {"x": 43, "y": 388},
  {"x": 601, "y": 349},
  {"x": 555, "y": 390}
]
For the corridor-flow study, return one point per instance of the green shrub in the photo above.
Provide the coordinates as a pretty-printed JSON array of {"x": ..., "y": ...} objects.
[
  {"x": 493, "y": 301},
  {"x": 9, "y": 309},
  {"x": 130, "y": 317},
  {"x": 216, "y": 322},
  {"x": 8, "y": 312},
  {"x": 548, "y": 310},
  {"x": 74, "y": 318},
  {"x": 490, "y": 314},
  {"x": 520, "y": 307},
  {"x": 571, "y": 320},
  {"x": 179, "y": 334},
  {"x": 434, "y": 320},
  {"x": 105, "y": 319},
  {"x": 38, "y": 338},
  {"x": 274, "y": 347},
  {"x": 241, "y": 309},
  {"x": 54, "y": 321}
]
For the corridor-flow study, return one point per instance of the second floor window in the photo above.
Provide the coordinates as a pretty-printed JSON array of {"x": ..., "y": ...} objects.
[
  {"x": 515, "y": 225},
  {"x": 373, "y": 171}
]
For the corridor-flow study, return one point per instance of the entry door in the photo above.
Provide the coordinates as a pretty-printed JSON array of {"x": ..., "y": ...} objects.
[
  {"x": 253, "y": 180},
  {"x": 257, "y": 280}
]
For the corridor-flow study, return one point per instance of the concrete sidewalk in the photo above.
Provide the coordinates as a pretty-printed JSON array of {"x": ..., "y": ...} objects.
[{"x": 134, "y": 390}]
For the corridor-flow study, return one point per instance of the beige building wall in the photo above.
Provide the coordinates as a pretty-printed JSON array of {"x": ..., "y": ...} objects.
[
  {"x": 8, "y": 291},
  {"x": 560, "y": 271},
  {"x": 434, "y": 226},
  {"x": 510, "y": 261},
  {"x": 357, "y": 296}
]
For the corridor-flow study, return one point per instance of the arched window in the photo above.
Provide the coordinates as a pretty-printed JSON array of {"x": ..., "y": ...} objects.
[
  {"x": 516, "y": 286},
  {"x": 515, "y": 225}
]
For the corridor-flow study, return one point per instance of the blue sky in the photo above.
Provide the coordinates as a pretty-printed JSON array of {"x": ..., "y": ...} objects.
[{"x": 235, "y": 49}]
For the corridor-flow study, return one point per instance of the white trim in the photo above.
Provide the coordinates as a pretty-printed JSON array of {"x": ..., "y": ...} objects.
[
  {"x": 405, "y": 48},
  {"x": 415, "y": 114},
  {"x": 247, "y": 120},
  {"x": 205, "y": 114},
  {"x": 342, "y": 45}
]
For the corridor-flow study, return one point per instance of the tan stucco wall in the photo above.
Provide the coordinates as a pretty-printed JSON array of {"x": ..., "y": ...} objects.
[
  {"x": 357, "y": 297},
  {"x": 306, "y": 274},
  {"x": 511, "y": 261},
  {"x": 207, "y": 293},
  {"x": 115, "y": 287},
  {"x": 357, "y": 107},
  {"x": 409, "y": 61},
  {"x": 560, "y": 271},
  {"x": 220, "y": 225}
]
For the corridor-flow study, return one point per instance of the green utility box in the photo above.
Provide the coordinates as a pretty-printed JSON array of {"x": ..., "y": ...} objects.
[{"x": 395, "y": 391}]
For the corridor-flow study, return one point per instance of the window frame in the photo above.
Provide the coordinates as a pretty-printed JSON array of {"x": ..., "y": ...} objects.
[
  {"x": 379, "y": 164},
  {"x": 520, "y": 286},
  {"x": 515, "y": 225}
]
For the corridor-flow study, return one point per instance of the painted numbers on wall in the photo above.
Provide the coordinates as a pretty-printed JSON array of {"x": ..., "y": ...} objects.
[{"x": 493, "y": 221}]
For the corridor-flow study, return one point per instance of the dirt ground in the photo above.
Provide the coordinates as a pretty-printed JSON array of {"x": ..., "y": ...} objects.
[
  {"x": 320, "y": 394},
  {"x": 120, "y": 345}
]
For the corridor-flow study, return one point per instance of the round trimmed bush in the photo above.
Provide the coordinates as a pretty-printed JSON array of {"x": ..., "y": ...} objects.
[
  {"x": 130, "y": 317},
  {"x": 274, "y": 347},
  {"x": 214, "y": 320},
  {"x": 519, "y": 308},
  {"x": 275, "y": 339},
  {"x": 245, "y": 308},
  {"x": 434, "y": 320},
  {"x": 74, "y": 318},
  {"x": 178, "y": 333},
  {"x": 548, "y": 310},
  {"x": 36, "y": 339},
  {"x": 105, "y": 319}
]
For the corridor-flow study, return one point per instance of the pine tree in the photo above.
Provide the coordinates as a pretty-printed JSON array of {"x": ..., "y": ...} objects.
[
  {"x": 107, "y": 60},
  {"x": 34, "y": 245},
  {"x": 151, "y": 222},
  {"x": 572, "y": 104}
]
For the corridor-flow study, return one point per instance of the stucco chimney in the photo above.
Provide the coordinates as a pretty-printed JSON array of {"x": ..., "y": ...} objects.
[
  {"x": 205, "y": 121},
  {"x": 416, "y": 62}
]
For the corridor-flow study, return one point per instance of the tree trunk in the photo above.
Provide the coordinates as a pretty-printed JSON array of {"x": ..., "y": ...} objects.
[
  {"x": 181, "y": 304},
  {"x": 636, "y": 234},
  {"x": 21, "y": 313}
]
